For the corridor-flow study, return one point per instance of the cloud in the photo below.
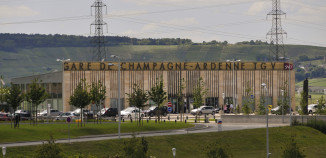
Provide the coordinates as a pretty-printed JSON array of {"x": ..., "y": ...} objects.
[
  {"x": 16, "y": 11},
  {"x": 257, "y": 7},
  {"x": 122, "y": 13}
]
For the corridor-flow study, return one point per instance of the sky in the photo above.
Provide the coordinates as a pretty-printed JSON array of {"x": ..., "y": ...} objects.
[{"x": 199, "y": 20}]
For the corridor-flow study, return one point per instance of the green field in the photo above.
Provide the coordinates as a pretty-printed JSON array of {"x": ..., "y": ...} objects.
[
  {"x": 244, "y": 143},
  {"x": 316, "y": 82},
  {"x": 28, "y": 132}
]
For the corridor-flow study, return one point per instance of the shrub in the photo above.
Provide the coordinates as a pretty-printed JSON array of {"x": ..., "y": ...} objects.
[
  {"x": 291, "y": 150},
  {"x": 49, "y": 150},
  {"x": 216, "y": 150},
  {"x": 135, "y": 148}
]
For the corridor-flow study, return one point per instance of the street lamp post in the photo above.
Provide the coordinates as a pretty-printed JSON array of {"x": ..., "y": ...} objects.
[
  {"x": 119, "y": 89},
  {"x": 282, "y": 92},
  {"x": 4, "y": 150},
  {"x": 267, "y": 135},
  {"x": 223, "y": 97},
  {"x": 174, "y": 152}
]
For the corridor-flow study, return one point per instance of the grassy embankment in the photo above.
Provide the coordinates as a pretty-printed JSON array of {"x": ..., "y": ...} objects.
[
  {"x": 28, "y": 132},
  {"x": 245, "y": 143}
]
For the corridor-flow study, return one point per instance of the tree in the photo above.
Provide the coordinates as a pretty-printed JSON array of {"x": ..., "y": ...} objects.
[
  {"x": 304, "y": 103},
  {"x": 261, "y": 107},
  {"x": 199, "y": 93},
  {"x": 36, "y": 95},
  {"x": 291, "y": 150},
  {"x": 14, "y": 98},
  {"x": 321, "y": 105},
  {"x": 284, "y": 102},
  {"x": 80, "y": 98},
  {"x": 97, "y": 94},
  {"x": 180, "y": 97},
  {"x": 138, "y": 98},
  {"x": 249, "y": 102},
  {"x": 158, "y": 95}
]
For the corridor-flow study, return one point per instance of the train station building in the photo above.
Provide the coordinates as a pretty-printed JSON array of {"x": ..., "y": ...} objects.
[{"x": 224, "y": 81}]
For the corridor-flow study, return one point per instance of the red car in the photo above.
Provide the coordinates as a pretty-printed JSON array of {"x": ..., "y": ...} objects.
[{"x": 4, "y": 117}]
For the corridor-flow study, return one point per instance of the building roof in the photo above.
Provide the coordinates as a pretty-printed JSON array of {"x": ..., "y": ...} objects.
[{"x": 52, "y": 77}]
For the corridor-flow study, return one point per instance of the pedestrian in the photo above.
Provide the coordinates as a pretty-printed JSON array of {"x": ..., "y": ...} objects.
[
  {"x": 231, "y": 108},
  {"x": 225, "y": 108}
]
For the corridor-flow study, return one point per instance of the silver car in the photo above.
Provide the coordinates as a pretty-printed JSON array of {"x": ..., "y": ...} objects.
[{"x": 203, "y": 110}]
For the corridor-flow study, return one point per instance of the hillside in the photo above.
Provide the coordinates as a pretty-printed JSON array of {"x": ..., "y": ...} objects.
[{"x": 34, "y": 60}]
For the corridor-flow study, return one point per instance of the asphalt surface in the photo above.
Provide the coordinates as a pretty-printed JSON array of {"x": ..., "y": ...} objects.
[{"x": 199, "y": 128}]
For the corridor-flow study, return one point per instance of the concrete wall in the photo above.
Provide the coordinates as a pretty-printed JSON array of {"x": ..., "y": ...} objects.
[{"x": 271, "y": 118}]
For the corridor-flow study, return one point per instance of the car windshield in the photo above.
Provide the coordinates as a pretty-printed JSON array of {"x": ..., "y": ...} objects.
[
  {"x": 201, "y": 107},
  {"x": 44, "y": 111},
  {"x": 152, "y": 108},
  {"x": 129, "y": 109}
]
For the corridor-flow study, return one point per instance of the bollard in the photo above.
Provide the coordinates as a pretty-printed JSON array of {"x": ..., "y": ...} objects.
[
  {"x": 131, "y": 120},
  {"x": 155, "y": 121},
  {"x": 177, "y": 117},
  {"x": 123, "y": 120},
  {"x": 175, "y": 121},
  {"x": 169, "y": 118},
  {"x": 185, "y": 121},
  {"x": 147, "y": 120},
  {"x": 186, "y": 117},
  {"x": 164, "y": 121}
]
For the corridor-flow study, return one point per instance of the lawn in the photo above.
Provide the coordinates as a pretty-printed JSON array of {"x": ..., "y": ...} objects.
[
  {"x": 316, "y": 82},
  {"x": 312, "y": 100},
  {"x": 245, "y": 143},
  {"x": 28, "y": 132}
]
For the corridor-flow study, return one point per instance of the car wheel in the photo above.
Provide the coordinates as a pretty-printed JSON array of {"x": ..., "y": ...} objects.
[
  {"x": 310, "y": 112},
  {"x": 151, "y": 114},
  {"x": 200, "y": 113},
  {"x": 142, "y": 115},
  {"x": 165, "y": 114}
]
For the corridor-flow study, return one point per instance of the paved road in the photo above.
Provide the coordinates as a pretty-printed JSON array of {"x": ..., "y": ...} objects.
[{"x": 199, "y": 128}]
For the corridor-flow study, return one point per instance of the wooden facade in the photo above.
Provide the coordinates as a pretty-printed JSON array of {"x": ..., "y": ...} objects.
[{"x": 225, "y": 77}]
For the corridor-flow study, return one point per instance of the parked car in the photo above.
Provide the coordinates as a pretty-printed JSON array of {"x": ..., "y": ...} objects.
[
  {"x": 64, "y": 116},
  {"x": 153, "y": 110},
  {"x": 24, "y": 115},
  {"x": 312, "y": 108},
  {"x": 111, "y": 112},
  {"x": 4, "y": 117},
  {"x": 130, "y": 112},
  {"x": 203, "y": 110},
  {"x": 86, "y": 113},
  {"x": 276, "y": 110},
  {"x": 53, "y": 113},
  {"x": 217, "y": 110},
  {"x": 102, "y": 111}
]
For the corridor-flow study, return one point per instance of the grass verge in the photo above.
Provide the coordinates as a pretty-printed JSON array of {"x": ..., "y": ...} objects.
[
  {"x": 28, "y": 132},
  {"x": 245, "y": 143}
]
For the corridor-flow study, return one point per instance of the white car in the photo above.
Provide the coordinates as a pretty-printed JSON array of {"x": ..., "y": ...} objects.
[
  {"x": 203, "y": 110},
  {"x": 102, "y": 112},
  {"x": 131, "y": 112},
  {"x": 312, "y": 108}
]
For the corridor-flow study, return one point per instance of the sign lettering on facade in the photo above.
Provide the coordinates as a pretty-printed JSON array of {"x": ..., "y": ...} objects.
[{"x": 173, "y": 66}]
